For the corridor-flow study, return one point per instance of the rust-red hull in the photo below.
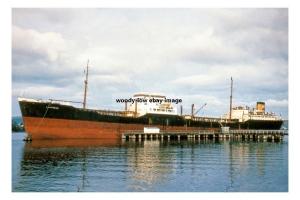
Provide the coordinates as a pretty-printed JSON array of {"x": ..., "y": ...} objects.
[{"x": 48, "y": 128}]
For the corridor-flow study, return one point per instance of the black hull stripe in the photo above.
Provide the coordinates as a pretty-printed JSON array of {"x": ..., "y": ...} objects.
[{"x": 58, "y": 111}]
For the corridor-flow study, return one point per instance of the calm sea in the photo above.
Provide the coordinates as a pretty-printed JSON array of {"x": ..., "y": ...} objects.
[{"x": 152, "y": 166}]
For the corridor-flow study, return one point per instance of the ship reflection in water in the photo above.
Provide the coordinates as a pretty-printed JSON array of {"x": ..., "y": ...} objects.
[{"x": 112, "y": 165}]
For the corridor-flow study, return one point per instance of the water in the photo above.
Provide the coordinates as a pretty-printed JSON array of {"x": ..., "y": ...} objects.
[{"x": 152, "y": 166}]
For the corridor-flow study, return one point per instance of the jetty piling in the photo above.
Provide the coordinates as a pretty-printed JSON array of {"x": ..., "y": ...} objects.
[{"x": 251, "y": 135}]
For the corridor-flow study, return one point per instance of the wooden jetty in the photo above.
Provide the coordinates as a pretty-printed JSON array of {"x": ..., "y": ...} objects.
[{"x": 256, "y": 135}]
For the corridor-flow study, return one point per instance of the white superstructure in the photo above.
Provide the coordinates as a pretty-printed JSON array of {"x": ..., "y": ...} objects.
[
  {"x": 246, "y": 113},
  {"x": 151, "y": 103}
]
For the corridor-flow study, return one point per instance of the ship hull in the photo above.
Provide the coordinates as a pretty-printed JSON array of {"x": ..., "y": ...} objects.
[
  {"x": 47, "y": 128},
  {"x": 44, "y": 120},
  {"x": 262, "y": 124}
]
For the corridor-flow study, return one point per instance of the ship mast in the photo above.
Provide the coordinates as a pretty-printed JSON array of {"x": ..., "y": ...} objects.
[
  {"x": 86, "y": 84},
  {"x": 230, "y": 99}
]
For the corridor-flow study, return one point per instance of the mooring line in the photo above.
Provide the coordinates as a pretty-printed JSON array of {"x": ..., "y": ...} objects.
[{"x": 43, "y": 116}]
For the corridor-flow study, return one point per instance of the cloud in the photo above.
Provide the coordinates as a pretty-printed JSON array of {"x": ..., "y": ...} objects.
[
  {"x": 39, "y": 91},
  {"x": 48, "y": 45},
  {"x": 260, "y": 75},
  {"x": 43, "y": 58},
  {"x": 277, "y": 103},
  {"x": 112, "y": 79},
  {"x": 197, "y": 80},
  {"x": 186, "y": 52}
]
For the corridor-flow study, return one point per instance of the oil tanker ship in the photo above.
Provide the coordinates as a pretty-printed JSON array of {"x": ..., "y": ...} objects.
[
  {"x": 56, "y": 119},
  {"x": 52, "y": 119}
]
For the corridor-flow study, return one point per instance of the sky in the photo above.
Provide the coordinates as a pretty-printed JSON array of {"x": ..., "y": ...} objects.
[{"x": 182, "y": 53}]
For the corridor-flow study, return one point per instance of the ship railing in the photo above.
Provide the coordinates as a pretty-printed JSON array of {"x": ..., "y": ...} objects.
[
  {"x": 264, "y": 117},
  {"x": 64, "y": 102},
  {"x": 206, "y": 119},
  {"x": 224, "y": 120},
  {"x": 211, "y": 119},
  {"x": 116, "y": 113},
  {"x": 55, "y": 101}
]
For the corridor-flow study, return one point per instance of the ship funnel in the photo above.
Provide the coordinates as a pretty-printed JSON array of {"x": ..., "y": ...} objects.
[{"x": 260, "y": 107}]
